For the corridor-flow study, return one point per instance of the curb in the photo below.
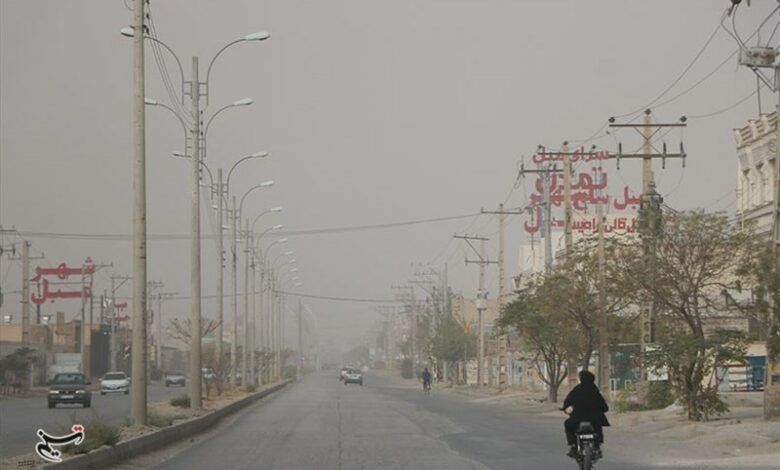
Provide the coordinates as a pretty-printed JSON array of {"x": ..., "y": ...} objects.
[{"x": 107, "y": 456}]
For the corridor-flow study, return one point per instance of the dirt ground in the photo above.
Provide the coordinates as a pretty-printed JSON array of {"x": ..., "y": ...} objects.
[{"x": 739, "y": 439}]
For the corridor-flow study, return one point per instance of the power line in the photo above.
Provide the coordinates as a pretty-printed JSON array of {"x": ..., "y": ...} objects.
[
  {"x": 353, "y": 228},
  {"x": 338, "y": 299}
]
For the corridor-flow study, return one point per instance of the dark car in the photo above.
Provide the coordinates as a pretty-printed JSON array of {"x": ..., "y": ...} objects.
[
  {"x": 70, "y": 387},
  {"x": 175, "y": 377}
]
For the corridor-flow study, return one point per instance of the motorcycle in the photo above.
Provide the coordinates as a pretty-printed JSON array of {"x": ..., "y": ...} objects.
[{"x": 587, "y": 455}]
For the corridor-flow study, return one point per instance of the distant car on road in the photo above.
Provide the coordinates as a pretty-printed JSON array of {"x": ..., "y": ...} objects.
[
  {"x": 115, "y": 382},
  {"x": 70, "y": 387},
  {"x": 175, "y": 377},
  {"x": 343, "y": 373},
  {"x": 353, "y": 376}
]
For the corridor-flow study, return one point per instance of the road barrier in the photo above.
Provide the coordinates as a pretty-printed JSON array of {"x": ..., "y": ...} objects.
[{"x": 125, "y": 450}]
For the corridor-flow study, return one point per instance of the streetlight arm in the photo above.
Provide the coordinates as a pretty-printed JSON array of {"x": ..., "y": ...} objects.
[
  {"x": 230, "y": 172},
  {"x": 178, "y": 62},
  {"x": 257, "y": 186},
  {"x": 202, "y": 163},
  {"x": 178, "y": 116},
  {"x": 206, "y": 129}
]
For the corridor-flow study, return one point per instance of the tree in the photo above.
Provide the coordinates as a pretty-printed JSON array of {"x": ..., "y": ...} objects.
[
  {"x": 573, "y": 287},
  {"x": 679, "y": 353},
  {"x": 181, "y": 330},
  {"x": 546, "y": 330},
  {"x": 762, "y": 273},
  {"x": 451, "y": 341},
  {"x": 688, "y": 264},
  {"x": 15, "y": 368}
]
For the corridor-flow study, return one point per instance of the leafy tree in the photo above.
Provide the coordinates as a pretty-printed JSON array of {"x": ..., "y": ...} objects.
[
  {"x": 545, "y": 329},
  {"x": 15, "y": 367},
  {"x": 688, "y": 264},
  {"x": 451, "y": 342},
  {"x": 687, "y": 358},
  {"x": 573, "y": 287}
]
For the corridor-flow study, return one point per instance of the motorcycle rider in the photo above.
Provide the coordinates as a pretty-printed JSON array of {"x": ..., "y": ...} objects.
[{"x": 588, "y": 405}]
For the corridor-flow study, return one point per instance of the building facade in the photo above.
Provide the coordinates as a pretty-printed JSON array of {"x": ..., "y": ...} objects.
[{"x": 757, "y": 171}]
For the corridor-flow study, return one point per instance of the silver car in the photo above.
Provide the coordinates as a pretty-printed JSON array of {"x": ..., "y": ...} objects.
[{"x": 115, "y": 382}]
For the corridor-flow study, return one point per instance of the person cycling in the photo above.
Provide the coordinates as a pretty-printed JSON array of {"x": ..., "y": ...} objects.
[
  {"x": 426, "y": 378},
  {"x": 588, "y": 405}
]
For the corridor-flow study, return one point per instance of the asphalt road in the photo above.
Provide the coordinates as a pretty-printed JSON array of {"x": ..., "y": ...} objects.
[
  {"x": 20, "y": 418},
  {"x": 320, "y": 423}
]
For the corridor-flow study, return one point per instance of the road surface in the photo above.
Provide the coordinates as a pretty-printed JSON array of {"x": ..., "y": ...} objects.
[
  {"x": 20, "y": 418},
  {"x": 320, "y": 423}
]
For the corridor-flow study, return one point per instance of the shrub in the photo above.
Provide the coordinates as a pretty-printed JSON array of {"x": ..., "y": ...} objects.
[
  {"x": 644, "y": 396},
  {"x": 182, "y": 401},
  {"x": 250, "y": 388},
  {"x": 289, "y": 372},
  {"x": 97, "y": 433},
  {"x": 160, "y": 420},
  {"x": 407, "y": 371}
]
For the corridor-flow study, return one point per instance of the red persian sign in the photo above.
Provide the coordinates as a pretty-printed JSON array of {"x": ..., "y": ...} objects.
[{"x": 46, "y": 288}]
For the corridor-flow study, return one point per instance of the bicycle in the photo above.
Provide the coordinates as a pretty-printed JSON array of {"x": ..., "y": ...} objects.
[{"x": 427, "y": 388}]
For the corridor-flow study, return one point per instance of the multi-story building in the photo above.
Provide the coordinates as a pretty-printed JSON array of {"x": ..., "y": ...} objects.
[{"x": 757, "y": 171}]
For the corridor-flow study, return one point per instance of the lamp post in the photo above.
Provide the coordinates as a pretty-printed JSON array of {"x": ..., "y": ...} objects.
[
  {"x": 272, "y": 303},
  {"x": 247, "y": 253},
  {"x": 224, "y": 193}
]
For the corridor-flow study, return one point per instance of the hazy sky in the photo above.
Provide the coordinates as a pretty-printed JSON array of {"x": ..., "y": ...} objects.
[{"x": 373, "y": 112}]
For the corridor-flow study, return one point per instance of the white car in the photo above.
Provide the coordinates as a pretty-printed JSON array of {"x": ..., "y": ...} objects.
[{"x": 115, "y": 382}]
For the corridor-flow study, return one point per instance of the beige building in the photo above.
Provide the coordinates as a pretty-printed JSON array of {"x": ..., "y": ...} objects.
[{"x": 757, "y": 171}]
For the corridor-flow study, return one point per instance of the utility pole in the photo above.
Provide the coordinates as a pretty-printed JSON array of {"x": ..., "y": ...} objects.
[
  {"x": 245, "y": 349},
  {"x": 195, "y": 280},
  {"x": 482, "y": 261},
  {"x": 139, "y": 351},
  {"x": 545, "y": 171},
  {"x": 159, "y": 321},
  {"x": 603, "y": 334},
  {"x": 502, "y": 340},
  {"x": 220, "y": 268},
  {"x": 412, "y": 313},
  {"x": 86, "y": 327},
  {"x": 253, "y": 346},
  {"x": 113, "y": 342},
  {"x": 650, "y": 208},
  {"x": 26, "y": 293},
  {"x": 234, "y": 297},
  {"x": 300, "y": 339}
]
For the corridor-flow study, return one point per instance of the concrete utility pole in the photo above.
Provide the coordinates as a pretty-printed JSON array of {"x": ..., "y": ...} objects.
[
  {"x": 546, "y": 171},
  {"x": 245, "y": 348},
  {"x": 220, "y": 267},
  {"x": 254, "y": 320},
  {"x": 234, "y": 297},
  {"x": 603, "y": 333},
  {"x": 159, "y": 321},
  {"x": 407, "y": 296},
  {"x": 139, "y": 348},
  {"x": 650, "y": 204},
  {"x": 195, "y": 280},
  {"x": 26, "y": 294},
  {"x": 503, "y": 339},
  {"x": 300, "y": 339},
  {"x": 482, "y": 261},
  {"x": 113, "y": 342}
]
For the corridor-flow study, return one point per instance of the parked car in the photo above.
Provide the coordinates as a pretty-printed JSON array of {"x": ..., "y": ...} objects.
[
  {"x": 115, "y": 382},
  {"x": 353, "y": 376},
  {"x": 175, "y": 377},
  {"x": 70, "y": 387}
]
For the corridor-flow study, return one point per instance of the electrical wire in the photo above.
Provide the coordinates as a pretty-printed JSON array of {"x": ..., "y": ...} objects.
[
  {"x": 337, "y": 299},
  {"x": 682, "y": 74},
  {"x": 728, "y": 108},
  {"x": 168, "y": 237}
]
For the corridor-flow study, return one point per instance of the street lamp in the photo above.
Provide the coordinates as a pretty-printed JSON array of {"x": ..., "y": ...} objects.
[
  {"x": 129, "y": 32},
  {"x": 267, "y": 211},
  {"x": 241, "y": 102},
  {"x": 179, "y": 154},
  {"x": 257, "y": 36}
]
